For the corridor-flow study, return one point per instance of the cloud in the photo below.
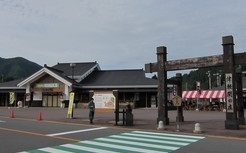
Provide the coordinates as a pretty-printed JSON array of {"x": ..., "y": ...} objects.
[{"x": 118, "y": 34}]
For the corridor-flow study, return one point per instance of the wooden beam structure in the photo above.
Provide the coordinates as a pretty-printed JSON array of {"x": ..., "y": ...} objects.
[
  {"x": 228, "y": 60},
  {"x": 194, "y": 63}
]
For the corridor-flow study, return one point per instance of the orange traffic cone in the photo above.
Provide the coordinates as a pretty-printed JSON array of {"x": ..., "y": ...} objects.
[
  {"x": 40, "y": 116},
  {"x": 12, "y": 114}
]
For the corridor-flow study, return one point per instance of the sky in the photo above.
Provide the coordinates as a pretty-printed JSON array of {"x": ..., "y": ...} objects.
[{"x": 118, "y": 34}]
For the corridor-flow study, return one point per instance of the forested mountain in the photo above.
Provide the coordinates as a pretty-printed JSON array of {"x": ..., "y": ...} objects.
[
  {"x": 16, "y": 68},
  {"x": 202, "y": 75}
]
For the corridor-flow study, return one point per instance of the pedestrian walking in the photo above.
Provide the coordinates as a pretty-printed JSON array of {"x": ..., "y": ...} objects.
[{"x": 91, "y": 107}]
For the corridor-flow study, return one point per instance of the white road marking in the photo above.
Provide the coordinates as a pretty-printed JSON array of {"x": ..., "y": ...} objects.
[
  {"x": 166, "y": 134},
  {"x": 121, "y": 147},
  {"x": 149, "y": 140},
  {"x": 161, "y": 137},
  {"x": 2, "y": 121},
  {"x": 77, "y": 131},
  {"x": 135, "y": 141},
  {"x": 51, "y": 150},
  {"x": 86, "y": 148},
  {"x": 139, "y": 144}
]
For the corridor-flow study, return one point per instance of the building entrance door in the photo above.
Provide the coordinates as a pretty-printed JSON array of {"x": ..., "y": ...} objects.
[{"x": 51, "y": 100}]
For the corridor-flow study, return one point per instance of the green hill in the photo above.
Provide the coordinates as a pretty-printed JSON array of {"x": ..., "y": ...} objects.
[
  {"x": 201, "y": 75},
  {"x": 16, "y": 68}
]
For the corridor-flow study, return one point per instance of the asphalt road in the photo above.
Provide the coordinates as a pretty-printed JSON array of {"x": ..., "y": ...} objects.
[
  {"x": 25, "y": 133},
  {"x": 19, "y": 134}
]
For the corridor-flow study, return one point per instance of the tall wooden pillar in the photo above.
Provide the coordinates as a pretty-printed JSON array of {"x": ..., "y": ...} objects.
[
  {"x": 231, "y": 121},
  {"x": 162, "y": 85},
  {"x": 117, "y": 106},
  {"x": 241, "y": 118},
  {"x": 180, "y": 116}
]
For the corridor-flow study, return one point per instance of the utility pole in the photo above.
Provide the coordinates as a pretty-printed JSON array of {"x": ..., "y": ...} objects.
[
  {"x": 218, "y": 79},
  {"x": 209, "y": 79}
]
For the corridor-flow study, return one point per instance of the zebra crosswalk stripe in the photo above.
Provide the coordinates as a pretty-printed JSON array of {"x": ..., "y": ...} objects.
[
  {"x": 150, "y": 140},
  {"x": 162, "y": 137},
  {"x": 135, "y": 141},
  {"x": 83, "y": 148},
  {"x": 121, "y": 147},
  {"x": 167, "y": 134},
  {"x": 48, "y": 149}
]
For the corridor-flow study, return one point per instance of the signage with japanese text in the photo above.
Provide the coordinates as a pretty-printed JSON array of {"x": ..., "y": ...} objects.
[
  {"x": 70, "y": 106},
  {"x": 177, "y": 101},
  {"x": 104, "y": 100},
  {"x": 229, "y": 92},
  {"x": 11, "y": 97}
]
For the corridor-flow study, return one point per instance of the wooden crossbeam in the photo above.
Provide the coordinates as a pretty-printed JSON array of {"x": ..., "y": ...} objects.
[{"x": 199, "y": 62}]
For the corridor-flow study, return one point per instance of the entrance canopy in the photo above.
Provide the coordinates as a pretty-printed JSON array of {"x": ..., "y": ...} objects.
[{"x": 204, "y": 94}]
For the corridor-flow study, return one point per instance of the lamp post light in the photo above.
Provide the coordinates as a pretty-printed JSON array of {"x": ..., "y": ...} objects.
[
  {"x": 209, "y": 79},
  {"x": 72, "y": 65},
  {"x": 71, "y": 103},
  {"x": 218, "y": 79}
]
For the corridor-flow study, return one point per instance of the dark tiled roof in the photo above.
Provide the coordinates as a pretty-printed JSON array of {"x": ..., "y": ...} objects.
[
  {"x": 11, "y": 83},
  {"x": 79, "y": 69},
  {"x": 61, "y": 74},
  {"x": 118, "y": 78}
]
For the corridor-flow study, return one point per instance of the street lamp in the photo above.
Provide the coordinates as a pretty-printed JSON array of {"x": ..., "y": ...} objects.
[
  {"x": 218, "y": 78},
  {"x": 72, "y": 65},
  {"x": 209, "y": 77}
]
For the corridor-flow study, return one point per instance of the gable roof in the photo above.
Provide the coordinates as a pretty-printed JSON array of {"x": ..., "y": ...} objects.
[
  {"x": 44, "y": 71},
  {"x": 63, "y": 72},
  {"x": 118, "y": 79},
  {"x": 80, "y": 70}
]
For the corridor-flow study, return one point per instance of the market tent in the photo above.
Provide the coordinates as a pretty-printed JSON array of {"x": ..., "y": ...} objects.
[
  {"x": 204, "y": 94},
  {"x": 189, "y": 94},
  {"x": 212, "y": 94}
]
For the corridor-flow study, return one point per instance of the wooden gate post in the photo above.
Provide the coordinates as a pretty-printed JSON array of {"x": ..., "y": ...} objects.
[
  {"x": 117, "y": 106},
  {"x": 231, "y": 121},
  {"x": 180, "y": 116},
  {"x": 162, "y": 85},
  {"x": 241, "y": 118}
]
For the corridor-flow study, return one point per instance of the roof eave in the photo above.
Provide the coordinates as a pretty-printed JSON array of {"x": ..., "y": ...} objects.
[
  {"x": 39, "y": 74},
  {"x": 12, "y": 88},
  {"x": 89, "y": 72},
  {"x": 117, "y": 86}
]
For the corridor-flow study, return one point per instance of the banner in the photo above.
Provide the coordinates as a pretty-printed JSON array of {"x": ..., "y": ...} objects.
[
  {"x": 70, "y": 106},
  {"x": 11, "y": 98}
]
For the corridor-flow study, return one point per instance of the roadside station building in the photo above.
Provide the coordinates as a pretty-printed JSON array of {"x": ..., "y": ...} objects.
[{"x": 50, "y": 86}]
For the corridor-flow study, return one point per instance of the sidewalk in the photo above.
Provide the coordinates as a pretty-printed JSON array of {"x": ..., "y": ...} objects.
[{"x": 211, "y": 122}]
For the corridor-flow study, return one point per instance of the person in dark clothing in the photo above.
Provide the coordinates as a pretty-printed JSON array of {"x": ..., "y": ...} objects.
[{"x": 91, "y": 107}]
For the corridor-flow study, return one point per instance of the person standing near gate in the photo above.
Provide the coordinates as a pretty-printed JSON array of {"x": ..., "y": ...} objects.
[{"x": 91, "y": 107}]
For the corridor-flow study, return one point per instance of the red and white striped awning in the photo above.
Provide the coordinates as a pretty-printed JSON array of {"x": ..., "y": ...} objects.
[
  {"x": 212, "y": 94},
  {"x": 189, "y": 94},
  {"x": 204, "y": 94}
]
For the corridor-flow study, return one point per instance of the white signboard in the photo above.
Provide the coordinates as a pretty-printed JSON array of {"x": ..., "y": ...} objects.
[
  {"x": 47, "y": 85},
  {"x": 37, "y": 96},
  {"x": 104, "y": 100},
  {"x": 229, "y": 92}
]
